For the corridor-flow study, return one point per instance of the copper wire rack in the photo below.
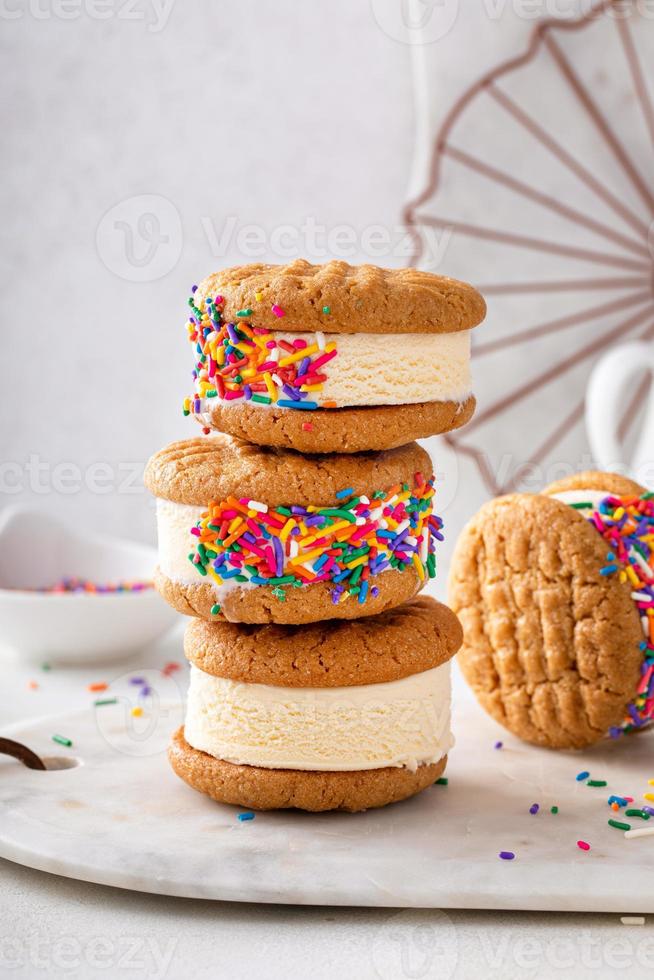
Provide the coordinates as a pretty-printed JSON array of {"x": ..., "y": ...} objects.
[{"x": 541, "y": 192}]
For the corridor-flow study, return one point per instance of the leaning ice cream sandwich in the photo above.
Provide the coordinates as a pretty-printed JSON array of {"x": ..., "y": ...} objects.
[
  {"x": 332, "y": 358},
  {"x": 257, "y": 535},
  {"x": 555, "y": 592},
  {"x": 338, "y": 715}
]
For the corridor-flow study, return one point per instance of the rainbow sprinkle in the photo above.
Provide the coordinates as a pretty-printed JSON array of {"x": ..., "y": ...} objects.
[
  {"x": 82, "y": 585},
  {"x": 619, "y": 824},
  {"x": 242, "y": 361},
  {"x": 627, "y": 526},
  {"x": 347, "y": 545},
  {"x": 63, "y": 740}
]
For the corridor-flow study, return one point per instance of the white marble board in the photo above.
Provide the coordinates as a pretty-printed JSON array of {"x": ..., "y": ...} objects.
[{"x": 122, "y": 818}]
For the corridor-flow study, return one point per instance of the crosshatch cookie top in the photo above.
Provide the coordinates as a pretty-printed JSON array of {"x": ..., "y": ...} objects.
[
  {"x": 417, "y": 636},
  {"x": 195, "y": 471},
  {"x": 341, "y": 298},
  {"x": 554, "y": 644}
]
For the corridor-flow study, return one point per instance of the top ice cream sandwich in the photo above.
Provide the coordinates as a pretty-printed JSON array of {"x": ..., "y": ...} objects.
[{"x": 332, "y": 358}]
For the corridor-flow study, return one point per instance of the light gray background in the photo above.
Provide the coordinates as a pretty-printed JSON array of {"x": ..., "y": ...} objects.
[{"x": 238, "y": 113}]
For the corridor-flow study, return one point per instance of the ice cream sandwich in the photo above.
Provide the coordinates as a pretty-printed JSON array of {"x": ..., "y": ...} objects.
[
  {"x": 254, "y": 534},
  {"x": 336, "y": 715},
  {"x": 331, "y": 358}
]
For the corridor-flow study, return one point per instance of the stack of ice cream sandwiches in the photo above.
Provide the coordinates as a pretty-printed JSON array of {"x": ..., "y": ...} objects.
[{"x": 299, "y": 528}]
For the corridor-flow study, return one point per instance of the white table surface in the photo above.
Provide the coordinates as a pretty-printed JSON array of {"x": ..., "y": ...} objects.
[{"x": 68, "y": 928}]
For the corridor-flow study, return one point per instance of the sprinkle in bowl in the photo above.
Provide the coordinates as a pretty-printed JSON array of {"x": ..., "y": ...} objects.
[{"x": 68, "y": 596}]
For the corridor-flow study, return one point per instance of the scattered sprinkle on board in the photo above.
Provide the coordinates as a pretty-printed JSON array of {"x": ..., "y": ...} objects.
[
  {"x": 619, "y": 825},
  {"x": 581, "y": 776},
  {"x": 441, "y": 781},
  {"x": 618, "y": 800},
  {"x": 583, "y": 845},
  {"x": 506, "y": 855},
  {"x": 246, "y": 816},
  {"x": 640, "y": 832},
  {"x": 62, "y": 740}
]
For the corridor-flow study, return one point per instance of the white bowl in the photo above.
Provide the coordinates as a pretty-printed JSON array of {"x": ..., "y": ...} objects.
[{"x": 37, "y": 550}]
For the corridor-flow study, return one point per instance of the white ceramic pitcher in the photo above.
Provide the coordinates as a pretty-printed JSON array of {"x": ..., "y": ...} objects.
[{"x": 610, "y": 387}]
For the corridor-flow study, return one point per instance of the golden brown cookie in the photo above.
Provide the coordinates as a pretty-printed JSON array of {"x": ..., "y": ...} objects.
[
  {"x": 414, "y": 637},
  {"x": 360, "y": 299},
  {"x": 596, "y": 480},
  {"x": 259, "y": 535},
  {"x": 194, "y": 471},
  {"x": 552, "y": 638},
  {"x": 338, "y": 430},
  {"x": 274, "y": 789},
  {"x": 331, "y": 358},
  {"x": 296, "y": 606}
]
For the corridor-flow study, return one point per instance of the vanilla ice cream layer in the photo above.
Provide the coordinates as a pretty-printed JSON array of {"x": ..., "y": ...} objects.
[
  {"x": 389, "y": 369},
  {"x": 403, "y": 723},
  {"x": 592, "y": 497},
  {"x": 174, "y": 523}
]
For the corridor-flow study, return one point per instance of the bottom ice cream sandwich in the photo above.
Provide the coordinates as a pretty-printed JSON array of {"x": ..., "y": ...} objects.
[{"x": 336, "y": 715}]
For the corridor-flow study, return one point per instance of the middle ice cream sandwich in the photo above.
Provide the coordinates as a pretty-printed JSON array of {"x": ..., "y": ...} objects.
[{"x": 259, "y": 535}]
